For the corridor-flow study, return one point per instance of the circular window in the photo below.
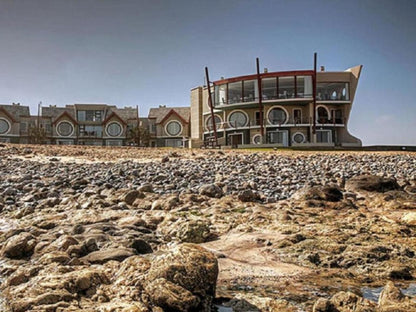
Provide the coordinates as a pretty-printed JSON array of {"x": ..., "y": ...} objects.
[
  {"x": 298, "y": 137},
  {"x": 237, "y": 119},
  {"x": 4, "y": 126},
  {"x": 173, "y": 128},
  {"x": 65, "y": 128},
  {"x": 257, "y": 139},
  {"x": 114, "y": 129},
  {"x": 218, "y": 122},
  {"x": 277, "y": 116}
]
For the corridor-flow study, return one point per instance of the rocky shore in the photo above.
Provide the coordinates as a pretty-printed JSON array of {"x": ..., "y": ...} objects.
[{"x": 127, "y": 229}]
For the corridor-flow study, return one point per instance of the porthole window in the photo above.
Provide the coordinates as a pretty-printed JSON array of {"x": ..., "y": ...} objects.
[
  {"x": 277, "y": 116},
  {"x": 218, "y": 122},
  {"x": 4, "y": 126},
  {"x": 237, "y": 119},
  {"x": 65, "y": 128},
  {"x": 298, "y": 137},
  {"x": 174, "y": 128},
  {"x": 114, "y": 129},
  {"x": 257, "y": 139}
]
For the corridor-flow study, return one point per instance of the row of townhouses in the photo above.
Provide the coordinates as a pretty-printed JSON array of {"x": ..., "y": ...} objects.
[{"x": 290, "y": 108}]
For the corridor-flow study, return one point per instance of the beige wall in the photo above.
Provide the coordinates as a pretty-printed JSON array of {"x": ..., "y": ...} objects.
[{"x": 160, "y": 129}]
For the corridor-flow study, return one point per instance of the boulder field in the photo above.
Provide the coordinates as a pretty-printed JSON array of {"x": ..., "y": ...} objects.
[{"x": 128, "y": 229}]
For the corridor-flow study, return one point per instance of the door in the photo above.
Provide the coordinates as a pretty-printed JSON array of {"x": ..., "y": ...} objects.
[{"x": 236, "y": 139}]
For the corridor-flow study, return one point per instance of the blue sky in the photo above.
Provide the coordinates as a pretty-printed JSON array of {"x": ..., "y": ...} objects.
[{"x": 153, "y": 52}]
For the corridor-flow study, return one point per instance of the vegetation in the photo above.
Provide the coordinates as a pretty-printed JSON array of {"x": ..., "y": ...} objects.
[
  {"x": 37, "y": 135},
  {"x": 140, "y": 136}
]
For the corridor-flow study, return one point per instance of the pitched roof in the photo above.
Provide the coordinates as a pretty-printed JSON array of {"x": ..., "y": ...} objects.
[
  {"x": 160, "y": 113},
  {"x": 56, "y": 112},
  {"x": 16, "y": 111},
  {"x": 125, "y": 113}
]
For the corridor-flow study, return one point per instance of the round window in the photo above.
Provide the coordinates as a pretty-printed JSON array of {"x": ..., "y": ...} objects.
[
  {"x": 173, "y": 128},
  {"x": 114, "y": 129},
  {"x": 65, "y": 128},
  {"x": 257, "y": 139},
  {"x": 298, "y": 137},
  {"x": 218, "y": 122},
  {"x": 4, "y": 126},
  {"x": 277, "y": 116},
  {"x": 237, "y": 119}
]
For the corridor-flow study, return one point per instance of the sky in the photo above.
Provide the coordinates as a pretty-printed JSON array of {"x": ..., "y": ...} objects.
[{"x": 152, "y": 52}]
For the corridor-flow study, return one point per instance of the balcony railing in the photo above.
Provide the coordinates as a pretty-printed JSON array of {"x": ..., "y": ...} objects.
[
  {"x": 250, "y": 99},
  {"x": 90, "y": 134}
]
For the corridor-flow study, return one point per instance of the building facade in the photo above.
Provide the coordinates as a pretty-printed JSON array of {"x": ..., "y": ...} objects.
[{"x": 276, "y": 109}]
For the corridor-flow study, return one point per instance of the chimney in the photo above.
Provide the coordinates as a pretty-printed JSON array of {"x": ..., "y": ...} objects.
[
  {"x": 265, "y": 70},
  {"x": 322, "y": 68}
]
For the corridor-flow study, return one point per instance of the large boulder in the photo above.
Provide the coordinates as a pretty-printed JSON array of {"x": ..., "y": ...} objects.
[
  {"x": 371, "y": 183},
  {"x": 183, "y": 279},
  {"x": 211, "y": 190},
  {"x": 19, "y": 246}
]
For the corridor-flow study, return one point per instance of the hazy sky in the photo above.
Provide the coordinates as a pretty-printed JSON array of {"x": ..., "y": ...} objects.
[{"x": 153, "y": 52}]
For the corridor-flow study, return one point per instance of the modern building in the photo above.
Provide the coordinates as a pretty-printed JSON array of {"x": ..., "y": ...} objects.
[{"x": 276, "y": 109}]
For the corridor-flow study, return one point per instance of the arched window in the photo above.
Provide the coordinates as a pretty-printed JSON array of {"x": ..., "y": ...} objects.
[
  {"x": 322, "y": 115},
  {"x": 277, "y": 116}
]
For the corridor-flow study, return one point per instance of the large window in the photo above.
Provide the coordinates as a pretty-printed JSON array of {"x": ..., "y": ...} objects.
[
  {"x": 303, "y": 86},
  {"x": 250, "y": 90},
  {"x": 65, "y": 128},
  {"x": 286, "y": 87},
  {"x": 90, "y": 115},
  {"x": 269, "y": 88},
  {"x": 114, "y": 129},
  {"x": 277, "y": 116},
  {"x": 173, "y": 128},
  {"x": 322, "y": 115},
  {"x": 235, "y": 90},
  {"x": 323, "y": 136},
  {"x": 237, "y": 119},
  {"x": 91, "y": 131},
  {"x": 4, "y": 126},
  {"x": 332, "y": 91},
  {"x": 221, "y": 94}
]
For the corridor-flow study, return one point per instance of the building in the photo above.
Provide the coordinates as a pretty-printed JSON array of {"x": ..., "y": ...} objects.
[
  {"x": 172, "y": 126},
  {"x": 285, "y": 114},
  {"x": 15, "y": 120}
]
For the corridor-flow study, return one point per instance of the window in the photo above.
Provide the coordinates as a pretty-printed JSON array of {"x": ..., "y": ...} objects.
[
  {"x": 65, "y": 128},
  {"x": 4, "y": 126},
  {"x": 113, "y": 129},
  {"x": 258, "y": 118},
  {"x": 337, "y": 116},
  {"x": 278, "y": 137},
  {"x": 221, "y": 94},
  {"x": 303, "y": 86},
  {"x": 89, "y": 115},
  {"x": 298, "y": 137},
  {"x": 286, "y": 87},
  {"x": 250, "y": 90},
  {"x": 98, "y": 116},
  {"x": 173, "y": 128},
  {"x": 237, "y": 119},
  {"x": 269, "y": 88},
  {"x": 297, "y": 116},
  {"x": 48, "y": 127},
  {"x": 277, "y": 116},
  {"x": 332, "y": 91},
  {"x": 323, "y": 136},
  {"x": 235, "y": 91},
  {"x": 257, "y": 139},
  {"x": 81, "y": 115},
  {"x": 322, "y": 115},
  {"x": 23, "y": 126},
  {"x": 218, "y": 122}
]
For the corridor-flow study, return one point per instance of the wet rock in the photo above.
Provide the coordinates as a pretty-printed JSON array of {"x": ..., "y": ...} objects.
[
  {"x": 190, "y": 273},
  {"x": 344, "y": 302},
  {"x": 211, "y": 190},
  {"x": 19, "y": 246},
  {"x": 371, "y": 183},
  {"x": 103, "y": 256}
]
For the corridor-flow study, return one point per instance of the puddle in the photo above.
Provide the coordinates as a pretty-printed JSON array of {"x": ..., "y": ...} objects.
[
  {"x": 221, "y": 308},
  {"x": 373, "y": 294}
]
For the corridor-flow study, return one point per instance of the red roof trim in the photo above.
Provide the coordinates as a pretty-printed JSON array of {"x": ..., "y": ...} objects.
[
  {"x": 67, "y": 114},
  {"x": 266, "y": 75},
  {"x": 171, "y": 112},
  {"x": 8, "y": 114},
  {"x": 114, "y": 114}
]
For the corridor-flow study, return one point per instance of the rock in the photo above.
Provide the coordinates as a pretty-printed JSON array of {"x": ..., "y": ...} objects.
[
  {"x": 147, "y": 187},
  {"x": 141, "y": 246},
  {"x": 211, "y": 190},
  {"x": 248, "y": 196},
  {"x": 19, "y": 246},
  {"x": 131, "y": 196},
  {"x": 400, "y": 273},
  {"x": 165, "y": 159},
  {"x": 345, "y": 302},
  {"x": 390, "y": 295},
  {"x": 409, "y": 218},
  {"x": 187, "y": 272},
  {"x": 371, "y": 183},
  {"x": 324, "y": 193},
  {"x": 103, "y": 256}
]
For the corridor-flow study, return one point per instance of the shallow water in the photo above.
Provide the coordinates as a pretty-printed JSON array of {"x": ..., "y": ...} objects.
[{"x": 373, "y": 293}]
